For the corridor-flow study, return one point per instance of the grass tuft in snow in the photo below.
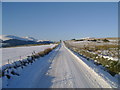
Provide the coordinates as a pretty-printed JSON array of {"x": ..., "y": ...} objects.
[{"x": 87, "y": 52}]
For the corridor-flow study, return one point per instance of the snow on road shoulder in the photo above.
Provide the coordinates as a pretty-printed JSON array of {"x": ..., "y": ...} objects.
[
  {"x": 92, "y": 72},
  {"x": 29, "y": 76}
]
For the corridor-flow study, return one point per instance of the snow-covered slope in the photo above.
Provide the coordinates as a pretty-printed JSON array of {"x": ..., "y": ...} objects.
[
  {"x": 8, "y": 37},
  {"x": 11, "y": 40},
  {"x": 30, "y": 38}
]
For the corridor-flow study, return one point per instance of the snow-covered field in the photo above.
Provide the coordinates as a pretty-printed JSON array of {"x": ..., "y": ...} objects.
[{"x": 17, "y": 53}]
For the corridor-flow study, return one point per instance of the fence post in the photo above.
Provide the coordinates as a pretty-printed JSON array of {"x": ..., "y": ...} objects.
[
  {"x": 20, "y": 57},
  {"x": 8, "y": 61}
]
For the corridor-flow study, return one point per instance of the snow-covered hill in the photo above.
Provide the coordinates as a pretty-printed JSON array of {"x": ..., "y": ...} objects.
[
  {"x": 12, "y": 40},
  {"x": 30, "y": 38},
  {"x": 8, "y": 37}
]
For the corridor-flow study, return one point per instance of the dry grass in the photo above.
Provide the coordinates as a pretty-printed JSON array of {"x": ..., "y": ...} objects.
[{"x": 113, "y": 67}]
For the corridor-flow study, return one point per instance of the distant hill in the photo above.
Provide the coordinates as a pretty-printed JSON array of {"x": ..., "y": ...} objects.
[
  {"x": 11, "y": 40},
  {"x": 8, "y": 37}
]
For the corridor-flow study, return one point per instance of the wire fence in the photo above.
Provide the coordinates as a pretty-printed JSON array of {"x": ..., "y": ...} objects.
[{"x": 19, "y": 57}]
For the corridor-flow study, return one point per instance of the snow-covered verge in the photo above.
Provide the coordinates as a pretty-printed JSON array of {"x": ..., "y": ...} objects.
[
  {"x": 102, "y": 71},
  {"x": 14, "y": 69},
  {"x": 30, "y": 70},
  {"x": 112, "y": 80},
  {"x": 101, "y": 55},
  {"x": 9, "y": 55}
]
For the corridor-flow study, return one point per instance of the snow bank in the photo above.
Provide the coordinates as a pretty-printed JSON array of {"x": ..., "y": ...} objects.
[
  {"x": 11, "y": 69},
  {"x": 19, "y": 74},
  {"x": 100, "y": 70}
]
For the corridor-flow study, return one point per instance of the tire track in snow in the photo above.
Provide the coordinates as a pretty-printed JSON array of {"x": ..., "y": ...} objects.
[{"x": 69, "y": 72}]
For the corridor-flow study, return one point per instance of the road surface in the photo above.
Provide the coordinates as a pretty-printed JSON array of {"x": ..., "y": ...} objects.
[{"x": 64, "y": 70}]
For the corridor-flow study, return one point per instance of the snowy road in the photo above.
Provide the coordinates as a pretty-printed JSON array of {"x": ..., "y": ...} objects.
[
  {"x": 65, "y": 71},
  {"x": 68, "y": 72}
]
